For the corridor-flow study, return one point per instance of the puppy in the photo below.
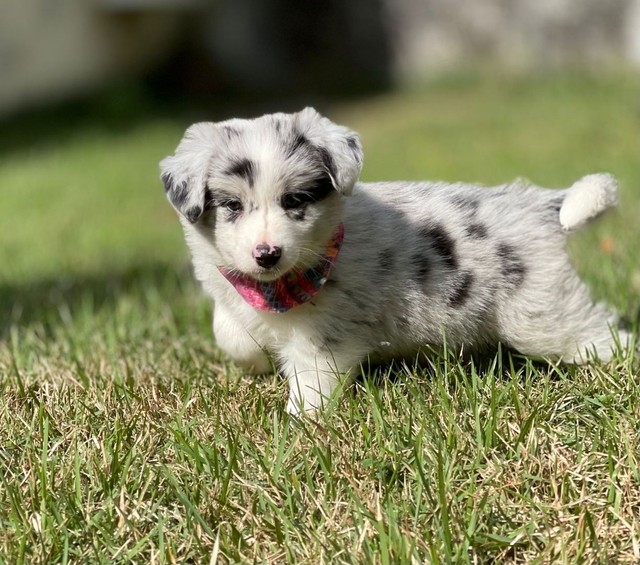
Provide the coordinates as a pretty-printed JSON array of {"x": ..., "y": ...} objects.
[{"x": 320, "y": 272}]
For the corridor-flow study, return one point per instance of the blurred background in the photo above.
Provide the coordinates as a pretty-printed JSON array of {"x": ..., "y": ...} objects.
[
  {"x": 95, "y": 92},
  {"x": 53, "y": 50}
]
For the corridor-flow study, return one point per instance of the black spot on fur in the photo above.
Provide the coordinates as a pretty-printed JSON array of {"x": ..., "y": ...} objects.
[
  {"x": 193, "y": 213},
  {"x": 477, "y": 231},
  {"x": 208, "y": 199},
  {"x": 352, "y": 143},
  {"x": 460, "y": 288},
  {"x": 298, "y": 142},
  {"x": 316, "y": 190},
  {"x": 386, "y": 259},
  {"x": 321, "y": 188},
  {"x": 167, "y": 180},
  {"x": 178, "y": 194},
  {"x": 442, "y": 243},
  {"x": 511, "y": 265},
  {"x": 327, "y": 161},
  {"x": 422, "y": 267},
  {"x": 230, "y": 132},
  {"x": 243, "y": 168}
]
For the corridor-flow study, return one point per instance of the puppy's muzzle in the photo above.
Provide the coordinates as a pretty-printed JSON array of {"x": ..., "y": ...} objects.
[{"x": 267, "y": 256}]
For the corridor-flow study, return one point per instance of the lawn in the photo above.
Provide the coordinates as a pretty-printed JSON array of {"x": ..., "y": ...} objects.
[{"x": 126, "y": 437}]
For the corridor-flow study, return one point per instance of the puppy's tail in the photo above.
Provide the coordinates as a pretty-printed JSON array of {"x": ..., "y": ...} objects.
[{"x": 588, "y": 198}]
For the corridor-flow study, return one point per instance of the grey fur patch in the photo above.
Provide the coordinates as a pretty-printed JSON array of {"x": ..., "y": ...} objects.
[
  {"x": 355, "y": 299},
  {"x": 460, "y": 289},
  {"x": 331, "y": 341},
  {"x": 386, "y": 259},
  {"x": 422, "y": 267},
  {"x": 511, "y": 265},
  {"x": 477, "y": 231},
  {"x": 466, "y": 203}
]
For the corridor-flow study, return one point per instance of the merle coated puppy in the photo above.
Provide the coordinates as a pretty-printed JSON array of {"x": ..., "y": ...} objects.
[{"x": 319, "y": 272}]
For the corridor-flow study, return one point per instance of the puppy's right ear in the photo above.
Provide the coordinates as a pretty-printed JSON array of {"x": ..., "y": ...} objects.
[{"x": 184, "y": 174}]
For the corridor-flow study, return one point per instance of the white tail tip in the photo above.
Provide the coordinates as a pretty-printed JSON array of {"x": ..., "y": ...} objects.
[{"x": 587, "y": 198}]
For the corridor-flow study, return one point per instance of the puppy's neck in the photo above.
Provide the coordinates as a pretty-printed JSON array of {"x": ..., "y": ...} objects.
[{"x": 294, "y": 288}]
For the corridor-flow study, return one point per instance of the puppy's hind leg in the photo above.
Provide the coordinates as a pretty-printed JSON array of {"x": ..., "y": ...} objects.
[
  {"x": 553, "y": 316},
  {"x": 598, "y": 338},
  {"x": 585, "y": 199},
  {"x": 569, "y": 336}
]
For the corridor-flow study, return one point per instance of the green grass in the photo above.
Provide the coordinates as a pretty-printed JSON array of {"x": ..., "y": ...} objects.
[{"x": 126, "y": 437}]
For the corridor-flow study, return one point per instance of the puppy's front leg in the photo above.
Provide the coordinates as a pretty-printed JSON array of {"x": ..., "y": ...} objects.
[
  {"x": 313, "y": 374},
  {"x": 238, "y": 344}
]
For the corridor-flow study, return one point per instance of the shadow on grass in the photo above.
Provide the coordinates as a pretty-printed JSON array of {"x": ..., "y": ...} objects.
[
  {"x": 433, "y": 361},
  {"x": 50, "y": 301}
]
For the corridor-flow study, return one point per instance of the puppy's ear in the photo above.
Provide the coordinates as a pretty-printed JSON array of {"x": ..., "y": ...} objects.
[
  {"x": 184, "y": 174},
  {"x": 339, "y": 148}
]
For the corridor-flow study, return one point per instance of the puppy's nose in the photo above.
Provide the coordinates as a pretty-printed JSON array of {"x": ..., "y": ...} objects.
[{"x": 267, "y": 255}]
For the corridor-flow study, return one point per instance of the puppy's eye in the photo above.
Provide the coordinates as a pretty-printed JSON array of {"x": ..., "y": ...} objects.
[
  {"x": 295, "y": 200},
  {"x": 234, "y": 206}
]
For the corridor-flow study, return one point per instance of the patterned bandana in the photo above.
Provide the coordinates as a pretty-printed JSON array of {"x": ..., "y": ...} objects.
[{"x": 293, "y": 288}]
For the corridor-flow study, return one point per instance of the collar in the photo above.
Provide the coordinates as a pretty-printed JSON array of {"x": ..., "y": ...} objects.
[{"x": 294, "y": 288}]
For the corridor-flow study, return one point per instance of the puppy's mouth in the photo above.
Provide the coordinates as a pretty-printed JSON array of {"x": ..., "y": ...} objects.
[
  {"x": 262, "y": 274},
  {"x": 269, "y": 275}
]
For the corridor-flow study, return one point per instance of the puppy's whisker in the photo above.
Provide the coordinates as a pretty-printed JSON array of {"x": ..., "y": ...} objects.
[{"x": 309, "y": 255}]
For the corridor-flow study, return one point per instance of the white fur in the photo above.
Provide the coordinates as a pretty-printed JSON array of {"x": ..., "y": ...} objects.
[
  {"x": 420, "y": 259},
  {"x": 587, "y": 198}
]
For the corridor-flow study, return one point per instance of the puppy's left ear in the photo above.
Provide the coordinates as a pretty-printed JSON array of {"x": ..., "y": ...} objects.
[
  {"x": 339, "y": 148},
  {"x": 184, "y": 174}
]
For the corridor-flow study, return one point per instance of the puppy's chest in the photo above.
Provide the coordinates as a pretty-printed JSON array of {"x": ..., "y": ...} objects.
[{"x": 268, "y": 328}]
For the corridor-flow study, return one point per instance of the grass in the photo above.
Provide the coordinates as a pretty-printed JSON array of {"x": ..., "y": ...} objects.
[{"x": 126, "y": 437}]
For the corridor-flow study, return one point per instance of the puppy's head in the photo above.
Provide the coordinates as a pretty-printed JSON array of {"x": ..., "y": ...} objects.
[{"x": 265, "y": 194}]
